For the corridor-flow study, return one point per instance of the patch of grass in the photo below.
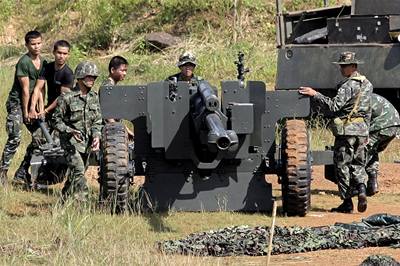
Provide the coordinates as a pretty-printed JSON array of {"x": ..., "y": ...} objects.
[{"x": 81, "y": 235}]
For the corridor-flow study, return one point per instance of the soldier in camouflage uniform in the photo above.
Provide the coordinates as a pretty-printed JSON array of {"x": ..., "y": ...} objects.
[
  {"x": 78, "y": 119},
  {"x": 186, "y": 63},
  {"x": 351, "y": 108},
  {"x": 26, "y": 73},
  {"x": 384, "y": 126}
]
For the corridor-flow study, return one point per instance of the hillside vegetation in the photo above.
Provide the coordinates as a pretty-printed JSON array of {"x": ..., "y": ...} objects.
[{"x": 215, "y": 30}]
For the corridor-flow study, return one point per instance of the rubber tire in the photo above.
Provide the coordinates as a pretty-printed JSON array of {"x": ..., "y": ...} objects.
[
  {"x": 114, "y": 177},
  {"x": 296, "y": 177}
]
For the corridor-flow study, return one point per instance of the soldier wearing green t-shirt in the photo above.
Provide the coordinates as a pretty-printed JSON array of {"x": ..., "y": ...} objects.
[{"x": 26, "y": 73}]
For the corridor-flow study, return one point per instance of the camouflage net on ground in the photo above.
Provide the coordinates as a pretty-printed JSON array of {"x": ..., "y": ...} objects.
[
  {"x": 374, "y": 231},
  {"x": 379, "y": 260}
]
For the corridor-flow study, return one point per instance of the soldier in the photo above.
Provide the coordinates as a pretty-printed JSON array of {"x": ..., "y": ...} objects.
[
  {"x": 351, "y": 108},
  {"x": 59, "y": 79},
  {"x": 78, "y": 120},
  {"x": 117, "y": 69},
  {"x": 186, "y": 63},
  {"x": 26, "y": 73},
  {"x": 384, "y": 126}
]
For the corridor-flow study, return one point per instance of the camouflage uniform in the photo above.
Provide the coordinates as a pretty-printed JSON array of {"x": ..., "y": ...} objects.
[
  {"x": 24, "y": 68},
  {"x": 78, "y": 112},
  {"x": 108, "y": 82},
  {"x": 384, "y": 126},
  {"x": 351, "y": 139}
]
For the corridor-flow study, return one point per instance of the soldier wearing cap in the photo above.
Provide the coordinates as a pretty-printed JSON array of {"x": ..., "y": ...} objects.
[
  {"x": 78, "y": 119},
  {"x": 186, "y": 63},
  {"x": 351, "y": 109},
  {"x": 384, "y": 126}
]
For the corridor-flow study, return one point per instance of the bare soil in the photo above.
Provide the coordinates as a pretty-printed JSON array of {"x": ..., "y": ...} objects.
[{"x": 325, "y": 197}]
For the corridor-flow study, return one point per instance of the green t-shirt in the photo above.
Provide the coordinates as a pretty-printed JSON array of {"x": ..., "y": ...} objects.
[{"x": 24, "y": 68}]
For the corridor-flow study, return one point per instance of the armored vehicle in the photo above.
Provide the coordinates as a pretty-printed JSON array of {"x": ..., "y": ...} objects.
[{"x": 309, "y": 40}]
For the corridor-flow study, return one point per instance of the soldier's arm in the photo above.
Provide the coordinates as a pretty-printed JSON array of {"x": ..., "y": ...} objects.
[
  {"x": 24, "y": 82},
  {"x": 96, "y": 131},
  {"x": 59, "y": 115},
  {"x": 336, "y": 103},
  {"x": 38, "y": 92},
  {"x": 97, "y": 125}
]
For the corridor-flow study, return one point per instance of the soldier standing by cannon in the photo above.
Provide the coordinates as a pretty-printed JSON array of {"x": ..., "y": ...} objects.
[
  {"x": 59, "y": 78},
  {"x": 26, "y": 73},
  {"x": 187, "y": 63},
  {"x": 78, "y": 119},
  {"x": 351, "y": 108}
]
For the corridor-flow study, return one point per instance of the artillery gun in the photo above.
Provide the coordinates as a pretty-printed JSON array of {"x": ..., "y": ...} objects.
[{"x": 199, "y": 151}]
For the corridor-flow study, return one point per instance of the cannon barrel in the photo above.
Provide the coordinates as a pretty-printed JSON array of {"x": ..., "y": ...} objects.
[
  {"x": 45, "y": 131},
  {"x": 210, "y": 100},
  {"x": 223, "y": 139}
]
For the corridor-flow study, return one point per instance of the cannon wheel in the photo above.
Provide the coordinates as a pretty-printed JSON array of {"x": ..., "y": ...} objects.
[
  {"x": 296, "y": 177},
  {"x": 114, "y": 178}
]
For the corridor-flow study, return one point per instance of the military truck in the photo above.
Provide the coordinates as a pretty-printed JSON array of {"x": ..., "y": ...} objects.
[{"x": 309, "y": 40}]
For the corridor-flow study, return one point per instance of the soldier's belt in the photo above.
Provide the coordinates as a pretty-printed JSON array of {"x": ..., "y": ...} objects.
[
  {"x": 338, "y": 124},
  {"x": 353, "y": 120}
]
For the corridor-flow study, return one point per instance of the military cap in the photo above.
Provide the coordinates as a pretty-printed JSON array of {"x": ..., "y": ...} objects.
[
  {"x": 348, "y": 58},
  {"x": 185, "y": 58},
  {"x": 86, "y": 68}
]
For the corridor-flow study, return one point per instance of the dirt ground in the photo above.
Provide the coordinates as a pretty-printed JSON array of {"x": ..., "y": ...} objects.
[{"x": 324, "y": 197}]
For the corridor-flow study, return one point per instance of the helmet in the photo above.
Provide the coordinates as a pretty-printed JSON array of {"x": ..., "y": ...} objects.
[
  {"x": 86, "y": 68},
  {"x": 187, "y": 57}
]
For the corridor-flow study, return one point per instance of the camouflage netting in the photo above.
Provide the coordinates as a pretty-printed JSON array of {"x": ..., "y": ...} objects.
[
  {"x": 379, "y": 260},
  {"x": 376, "y": 230}
]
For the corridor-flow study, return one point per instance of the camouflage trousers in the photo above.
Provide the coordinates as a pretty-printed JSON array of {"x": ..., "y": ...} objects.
[
  {"x": 350, "y": 158},
  {"x": 378, "y": 142},
  {"x": 14, "y": 123},
  {"x": 76, "y": 186}
]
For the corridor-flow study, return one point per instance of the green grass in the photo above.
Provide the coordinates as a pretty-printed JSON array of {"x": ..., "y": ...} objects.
[{"x": 37, "y": 230}]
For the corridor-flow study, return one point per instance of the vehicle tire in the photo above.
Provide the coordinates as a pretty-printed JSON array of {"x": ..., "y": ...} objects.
[
  {"x": 296, "y": 177},
  {"x": 114, "y": 177}
]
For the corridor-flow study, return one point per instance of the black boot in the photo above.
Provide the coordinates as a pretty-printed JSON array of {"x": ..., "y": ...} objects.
[
  {"x": 3, "y": 177},
  {"x": 345, "y": 207},
  {"x": 372, "y": 184},
  {"x": 362, "y": 198},
  {"x": 22, "y": 178}
]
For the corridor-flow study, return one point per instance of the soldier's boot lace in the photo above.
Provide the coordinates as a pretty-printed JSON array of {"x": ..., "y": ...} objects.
[
  {"x": 372, "y": 184},
  {"x": 362, "y": 198},
  {"x": 345, "y": 207},
  {"x": 3, "y": 177}
]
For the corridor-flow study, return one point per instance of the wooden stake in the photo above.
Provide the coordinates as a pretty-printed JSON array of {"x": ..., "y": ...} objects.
[{"x": 271, "y": 232}]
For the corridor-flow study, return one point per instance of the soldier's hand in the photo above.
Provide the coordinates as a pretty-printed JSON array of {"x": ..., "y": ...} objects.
[
  {"x": 96, "y": 144},
  {"x": 26, "y": 118},
  {"x": 130, "y": 134},
  {"x": 32, "y": 115},
  {"x": 77, "y": 135},
  {"x": 307, "y": 91}
]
